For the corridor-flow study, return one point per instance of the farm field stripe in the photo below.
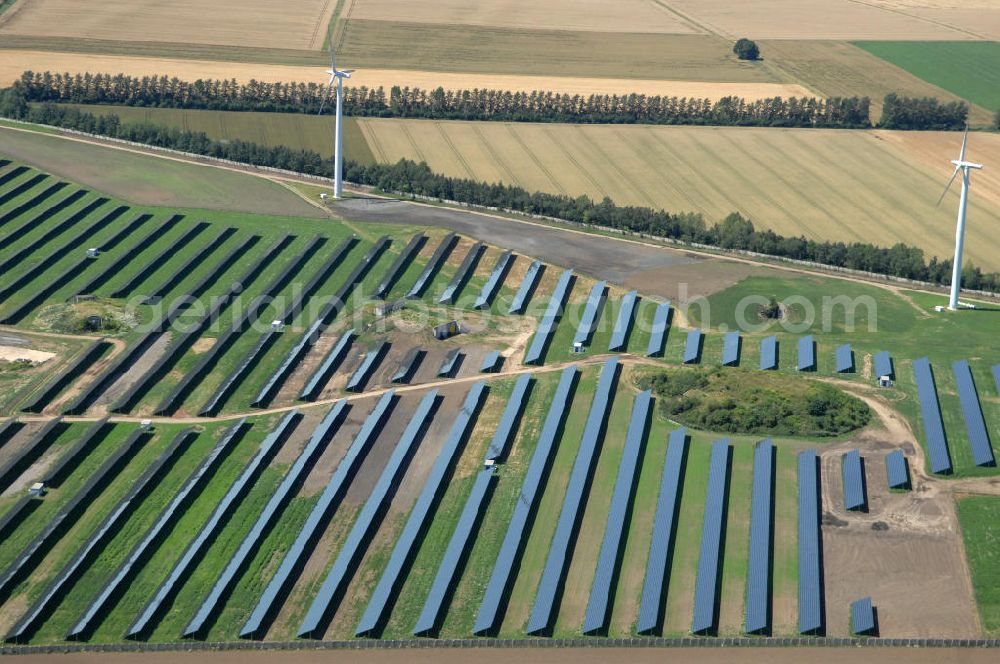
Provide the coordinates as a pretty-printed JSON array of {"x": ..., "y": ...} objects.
[
  {"x": 165, "y": 520},
  {"x": 223, "y": 510},
  {"x": 272, "y": 511},
  {"x": 56, "y": 590}
]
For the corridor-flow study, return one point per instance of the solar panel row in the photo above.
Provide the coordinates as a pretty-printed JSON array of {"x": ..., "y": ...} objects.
[
  {"x": 35, "y": 222},
  {"x": 220, "y": 515},
  {"x": 758, "y": 608},
  {"x": 527, "y": 287},
  {"x": 399, "y": 266},
  {"x": 105, "y": 531},
  {"x": 491, "y": 363},
  {"x": 451, "y": 363},
  {"x": 937, "y": 444},
  {"x": 854, "y": 481},
  {"x": 623, "y": 324},
  {"x": 658, "y": 334},
  {"x": 272, "y": 512},
  {"x": 372, "y": 359},
  {"x": 329, "y": 594},
  {"x": 654, "y": 587},
  {"x": 516, "y": 403},
  {"x": 612, "y": 547},
  {"x": 32, "y": 202},
  {"x": 517, "y": 529},
  {"x": 862, "y": 616},
  {"x": 30, "y": 452},
  {"x": 458, "y": 547},
  {"x": 204, "y": 252},
  {"x": 68, "y": 514},
  {"x": 154, "y": 263},
  {"x": 807, "y": 353},
  {"x": 495, "y": 280},
  {"x": 462, "y": 275},
  {"x": 126, "y": 256},
  {"x": 968, "y": 396},
  {"x": 321, "y": 513},
  {"x": 731, "y": 349},
  {"x": 844, "y": 359},
  {"x": 74, "y": 370},
  {"x": 706, "y": 588},
  {"x": 996, "y": 376},
  {"x": 769, "y": 353},
  {"x": 588, "y": 320},
  {"x": 317, "y": 381},
  {"x": 579, "y": 479},
  {"x": 896, "y": 470},
  {"x": 409, "y": 365},
  {"x": 432, "y": 267},
  {"x": 423, "y": 511},
  {"x": 548, "y": 323},
  {"x": 883, "y": 365},
  {"x": 68, "y": 460},
  {"x": 692, "y": 348},
  {"x": 195, "y": 482},
  {"x": 810, "y": 575}
]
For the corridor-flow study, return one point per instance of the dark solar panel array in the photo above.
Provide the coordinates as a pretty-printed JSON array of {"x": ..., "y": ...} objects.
[
  {"x": 517, "y": 529},
  {"x": 458, "y": 547},
  {"x": 269, "y": 515},
  {"x": 465, "y": 271},
  {"x": 73, "y": 371},
  {"x": 495, "y": 280},
  {"x": 862, "y": 617},
  {"x": 654, "y": 587},
  {"x": 203, "y": 253},
  {"x": 897, "y": 473},
  {"x": 516, "y": 403},
  {"x": 598, "y": 606},
  {"x": 548, "y": 323},
  {"x": 84, "y": 555},
  {"x": 588, "y": 320},
  {"x": 623, "y": 324},
  {"x": 433, "y": 265},
  {"x": 369, "y": 518},
  {"x": 658, "y": 334},
  {"x": 22, "y": 187},
  {"x": 854, "y": 481},
  {"x": 731, "y": 349},
  {"x": 321, "y": 513},
  {"x": 937, "y": 444},
  {"x": 450, "y": 364},
  {"x": 807, "y": 354},
  {"x": 758, "y": 608},
  {"x": 527, "y": 287},
  {"x": 557, "y": 562},
  {"x": 25, "y": 252},
  {"x": 314, "y": 386},
  {"x": 491, "y": 363},
  {"x": 143, "y": 624},
  {"x": 195, "y": 482},
  {"x": 30, "y": 452},
  {"x": 409, "y": 365},
  {"x": 810, "y": 575},
  {"x": 979, "y": 438},
  {"x": 32, "y": 202},
  {"x": 844, "y": 359},
  {"x": 368, "y": 366},
  {"x": 399, "y": 266},
  {"x": 692, "y": 348},
  {"x": 422, "y": 512},
  {"x": 883, "y": 365},
  {"x": 769, "y": 353},
  {"x": 153, "y": 263},
  {"x": 706, "y": 587},
  {"x": 69, "y": 460},
  {"x": 37, "y": 220}
]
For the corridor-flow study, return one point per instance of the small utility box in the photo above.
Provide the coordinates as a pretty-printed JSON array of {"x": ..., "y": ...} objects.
[
  {"x": 884, "y": 381},
  {"x": 447, "y": 330},
  {"x": 36, "y": 489},
  {"x": 277, "y": 326},
  {"x": 93, "y": 252},
  {"x": 578, "y": 347},
  {"x": 146, "y": 425},
  {"x": 939, "y": 309}
]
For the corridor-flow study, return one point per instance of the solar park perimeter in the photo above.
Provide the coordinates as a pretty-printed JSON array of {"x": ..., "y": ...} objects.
[{"x": 276, "y": 537}]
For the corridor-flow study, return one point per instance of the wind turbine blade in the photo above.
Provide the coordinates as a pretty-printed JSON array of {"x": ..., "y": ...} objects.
[
  {"x": 948, "y": 186},
  {"x": 965, "y": 140}
]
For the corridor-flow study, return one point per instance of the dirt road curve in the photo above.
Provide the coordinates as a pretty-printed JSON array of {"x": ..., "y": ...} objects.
[{"x": 530, "y": 656}]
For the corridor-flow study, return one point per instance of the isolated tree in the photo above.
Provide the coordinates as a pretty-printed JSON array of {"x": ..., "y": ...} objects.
[{"x": 746, "y": 49}]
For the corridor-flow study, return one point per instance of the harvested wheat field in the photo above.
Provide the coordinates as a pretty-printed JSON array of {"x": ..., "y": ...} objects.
[
  {"x": 810, "y": 19},
  {"x": 823, "y": 184},
  {"x": 596, "y": 15},
  {"x": 15, "y": 62},
  {"x": 978, "y": 17},
  {"x": 290, "y": 24}
]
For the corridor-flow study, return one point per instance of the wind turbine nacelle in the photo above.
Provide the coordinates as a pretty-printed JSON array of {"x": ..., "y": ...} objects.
[{"x": 966, "y": 164}]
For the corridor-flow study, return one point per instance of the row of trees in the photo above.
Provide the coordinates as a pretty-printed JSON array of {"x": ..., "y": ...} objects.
[
  {"x": 734, "y": 232},
  {"x": 478, "y": 104},
  {"x": 925, "y": 113}
]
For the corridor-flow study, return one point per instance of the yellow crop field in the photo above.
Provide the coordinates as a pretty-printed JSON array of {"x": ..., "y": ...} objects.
[
  {"x": 874, "y": 186},
  {"x": 262, "y": 23},
  {"x": 810, "y": 19},
  {"x": 978, "y": 17}
]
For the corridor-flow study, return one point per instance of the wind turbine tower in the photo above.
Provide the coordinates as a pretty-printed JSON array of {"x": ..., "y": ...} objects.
[
  {"x": 964, "y": 166},
  {"x": 337, "y": 76}
]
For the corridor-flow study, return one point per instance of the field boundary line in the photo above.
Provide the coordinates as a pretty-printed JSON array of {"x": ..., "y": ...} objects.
[
  {"x": 923, "y": 19},
  {"x": 534, "y": 158},
  {"x": 458, "y": 155},
  {"x": 497, "y": 159}
]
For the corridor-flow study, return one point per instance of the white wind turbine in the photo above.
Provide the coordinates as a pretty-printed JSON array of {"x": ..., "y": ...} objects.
[
  {"x": 337, "y": 76},
  {"x": 964, "y": 166}
]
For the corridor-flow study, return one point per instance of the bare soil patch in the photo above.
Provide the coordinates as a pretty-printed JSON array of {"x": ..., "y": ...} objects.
[
  {"x": 15, "y": 353},
  {"x": 132, "y": 375}
]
